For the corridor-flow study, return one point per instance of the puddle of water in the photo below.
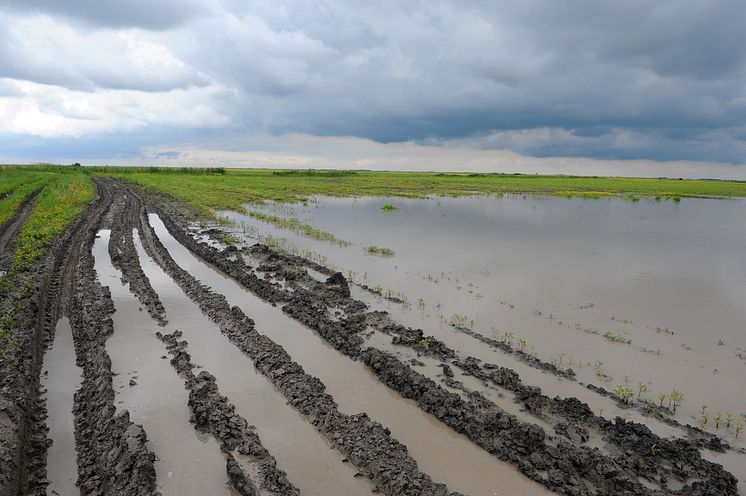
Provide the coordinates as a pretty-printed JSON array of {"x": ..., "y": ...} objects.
[
  {"x": 61, "y": 378},
  {"x": 189, "y": 463},
  {"x": 447, "y": 456},
  {"x": 639, "y": 269},
  {"x": 311, "y": 464}
]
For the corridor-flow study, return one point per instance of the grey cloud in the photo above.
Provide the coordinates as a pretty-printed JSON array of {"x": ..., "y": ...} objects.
[
  {"x": 146, "y": 14},
  {"x": 635, "y": 79}
]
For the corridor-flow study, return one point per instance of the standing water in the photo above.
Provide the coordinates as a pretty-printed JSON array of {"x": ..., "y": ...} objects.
[
  {"x": 189, "y": 463},
  {"x": 447, "y": 456},
  {"x": 61, "y": 377}
]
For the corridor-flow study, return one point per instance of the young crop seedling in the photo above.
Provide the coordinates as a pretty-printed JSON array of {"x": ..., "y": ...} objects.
[
  {"x": 674, "y": 399},
  {"x": 728, "y": 420},
  {"x": 739, "y": 428},
  {"x": 642, "y": 388},
  {"x": 718, "y": 419},
  {"x": 380, "y": 251},
  {"x": 662, "y": 397},
  {"x": 617, "y": 338},
  {"x": 625, "y": 393},
  {"x": 388, "y": 207}
]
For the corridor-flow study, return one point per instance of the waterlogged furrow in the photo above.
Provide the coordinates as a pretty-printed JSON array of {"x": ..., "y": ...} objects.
[
  {"x": 112, "y": 452},
  {"x": 299, "y": 450},
  {"x": 61, "y": 377},
  {"x": 466, "y": 467},
  {"x": 154, "y": 396}
]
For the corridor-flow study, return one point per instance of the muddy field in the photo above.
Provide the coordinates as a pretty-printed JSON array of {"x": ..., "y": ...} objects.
[{"x": 159, "y": 355}]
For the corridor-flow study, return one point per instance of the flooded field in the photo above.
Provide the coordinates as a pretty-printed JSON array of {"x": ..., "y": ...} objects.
[
  {"x": 433, "y": 347},
  {"x": 622, "y": 292}
]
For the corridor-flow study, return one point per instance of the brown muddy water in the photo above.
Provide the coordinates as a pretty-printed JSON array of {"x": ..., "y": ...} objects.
[
  {"x": 61, "y": 378},
  {"x": 188, "y": 462},
  {"x": 311, "y": 464},
  {"x": 559, "y": 273},
  {"x": 447, "y": 456}
]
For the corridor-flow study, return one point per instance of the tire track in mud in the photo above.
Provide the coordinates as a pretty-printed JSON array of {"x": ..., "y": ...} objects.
[
  {"x": 366, "y": 444},
  {"x": 112, "y": 452},
  {"x": 212, "y": 413},
  {"x": 110, "y": 449},
  {"x": 347, "y": 340},
  {"x": 10, "y": 230}
]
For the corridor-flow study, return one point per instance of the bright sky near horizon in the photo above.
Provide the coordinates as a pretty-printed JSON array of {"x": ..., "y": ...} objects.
[{"x": 643, "y": 88}]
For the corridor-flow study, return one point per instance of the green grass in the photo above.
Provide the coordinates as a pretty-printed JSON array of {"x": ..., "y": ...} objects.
[
  {"x": 63, "y": 198},
  {"x": 377, "y": 250},
  {"x": 237, "y": 187},
  {"x": 16, "y": 185},
  {"x": 389, "y": 208}
]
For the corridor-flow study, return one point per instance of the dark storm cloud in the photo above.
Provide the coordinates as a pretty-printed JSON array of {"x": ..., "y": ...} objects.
[
  {"x": 634, "y": 79},
  {"x": 147, "y": 14}
]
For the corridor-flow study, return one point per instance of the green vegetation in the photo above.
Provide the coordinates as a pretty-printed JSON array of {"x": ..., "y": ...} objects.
[
  {"x": 234, "y": 188},
  {"x": 63, "y": 198},
  {"x": 389, "y": 208},
  {"x": 625, "y": 393},
  {"x": 293, "y": 224},
  {"x": 617, "y": 338},
  {"x": 382, "y": 252}
]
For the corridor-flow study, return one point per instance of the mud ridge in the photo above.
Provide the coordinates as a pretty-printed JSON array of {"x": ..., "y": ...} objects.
[
  {"x": 212, "y": 413},
  {"x": 124, "y": 258},
  {"x": 366, "y": 444}
]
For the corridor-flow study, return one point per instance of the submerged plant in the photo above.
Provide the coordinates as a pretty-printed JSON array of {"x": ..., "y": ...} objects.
[
  {"x": 705, "y": 418},
  {"x": 642, "y": 388},
  {"x": 617, "y": 338},
  {"x": 625, "y": 393},
  {"x": 728, "y": 420},
  {"x": 675, "y": 399},
  {"x": 381, "y": 251}
]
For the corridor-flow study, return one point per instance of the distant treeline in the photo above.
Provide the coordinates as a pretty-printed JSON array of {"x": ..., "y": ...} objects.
[
  {"x": 157, "y": 170},
  {"x": 313, "y": 172}
]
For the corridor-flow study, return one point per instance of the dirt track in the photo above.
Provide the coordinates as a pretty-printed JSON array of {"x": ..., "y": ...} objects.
[{"x": 560, "y": 444}]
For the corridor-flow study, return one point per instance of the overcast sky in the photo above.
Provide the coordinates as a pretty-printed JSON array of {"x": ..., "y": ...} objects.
[{"x": 638, "y": 87}]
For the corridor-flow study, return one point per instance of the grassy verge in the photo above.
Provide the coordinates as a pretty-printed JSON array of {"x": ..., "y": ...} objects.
[{"x": 62, "y": 200}]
